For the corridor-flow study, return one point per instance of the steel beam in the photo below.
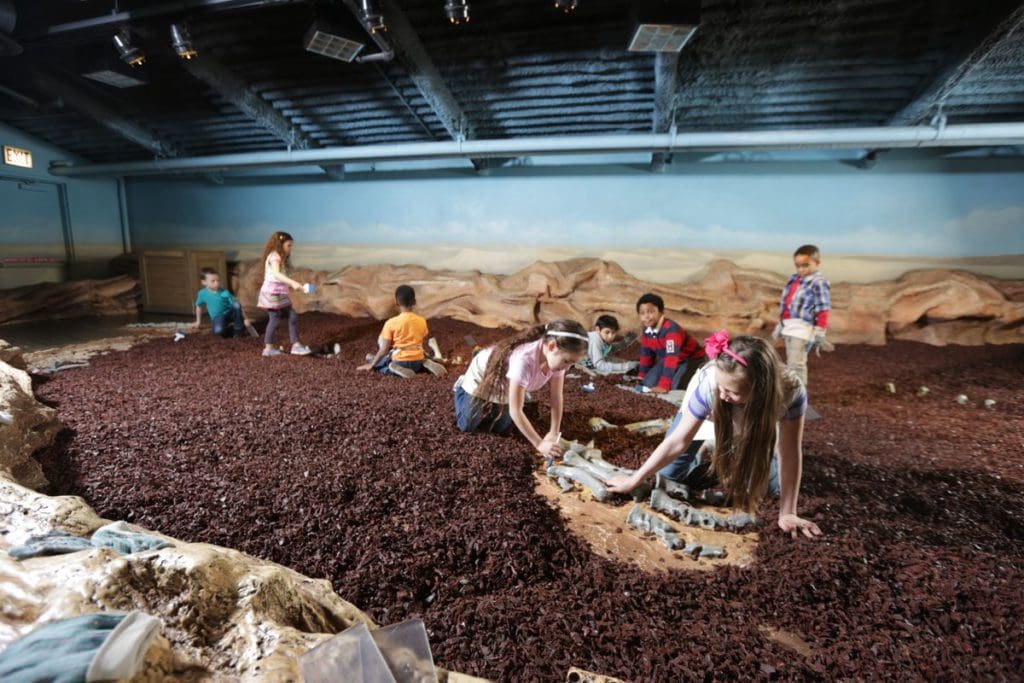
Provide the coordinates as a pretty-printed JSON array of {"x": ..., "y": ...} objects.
[{"x": 102, "y": 114}]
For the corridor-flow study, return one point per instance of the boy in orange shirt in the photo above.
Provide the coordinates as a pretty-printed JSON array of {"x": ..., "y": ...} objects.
[{"x": 400, "y": 347}]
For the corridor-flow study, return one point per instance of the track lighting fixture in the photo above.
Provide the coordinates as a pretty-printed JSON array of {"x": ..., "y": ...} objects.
[
  {"x": 457, "y": 11},
  {"x": 370, "y": 13},
  {"x": 181, "y": 41},
  {"x": 566, "y": 6},
  {"x": 130, "y": 54}
]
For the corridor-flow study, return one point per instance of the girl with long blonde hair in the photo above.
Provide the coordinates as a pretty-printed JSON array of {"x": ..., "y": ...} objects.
[{"x": 758, "y": 414}]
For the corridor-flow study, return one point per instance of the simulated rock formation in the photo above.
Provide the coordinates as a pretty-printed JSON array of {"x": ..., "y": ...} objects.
[
  {"x": 224, "y": 613},
  {"x": 934, "y": 306},
  {"x": 52, "y": 300},
  {"x": 26, "y": 425}
]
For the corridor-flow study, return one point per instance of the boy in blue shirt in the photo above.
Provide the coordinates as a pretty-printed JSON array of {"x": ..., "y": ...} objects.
[{"x": 225, "y": 311}]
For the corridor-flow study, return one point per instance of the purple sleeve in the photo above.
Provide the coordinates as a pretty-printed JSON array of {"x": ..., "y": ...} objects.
[{"x": 700, "y": 402}]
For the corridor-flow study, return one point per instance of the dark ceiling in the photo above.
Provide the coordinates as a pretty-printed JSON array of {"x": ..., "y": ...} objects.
[{"x": 518, "y": 68}]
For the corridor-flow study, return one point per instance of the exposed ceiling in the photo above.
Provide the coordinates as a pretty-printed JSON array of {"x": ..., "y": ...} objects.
[{"x": 518, "y": 68}]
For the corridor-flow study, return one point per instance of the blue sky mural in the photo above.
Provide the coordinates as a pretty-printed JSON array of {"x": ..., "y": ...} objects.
[{"x": 910, "y": 209}]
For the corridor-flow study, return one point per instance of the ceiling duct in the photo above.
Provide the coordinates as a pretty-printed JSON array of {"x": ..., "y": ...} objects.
[
  {"x": 8, "y": 18},
  {"x": 663, "y": 25}
]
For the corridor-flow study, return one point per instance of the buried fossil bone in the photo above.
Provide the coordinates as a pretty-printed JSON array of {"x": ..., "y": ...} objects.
[
  {"x": 662, "y": 502},
  {"x": 596, "y": 486},
  {"x": 565, "y": 484},
  {"x": 649, "y": 427},
  {"x": 592, "y": 462},
  {"x": 599, "y": 423},
  {"x": 645, "y": 521}
]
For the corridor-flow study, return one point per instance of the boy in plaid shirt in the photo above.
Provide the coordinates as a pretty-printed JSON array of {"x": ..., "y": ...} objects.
[{"x": 803, "y": 310}]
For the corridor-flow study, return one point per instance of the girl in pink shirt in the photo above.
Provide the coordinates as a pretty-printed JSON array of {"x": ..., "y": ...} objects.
[
  {"x": 490, "y": 395},
  {"x": 274, "y": 296}
]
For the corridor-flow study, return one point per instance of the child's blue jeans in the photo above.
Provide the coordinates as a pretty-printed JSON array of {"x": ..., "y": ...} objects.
[
  {"x": 232, "y": 318},
  {"x": 688, "y": 468},
  {"x": 383, "y": 363},
  {"x": 658, "y": 369},
  {"x": 491, "y": 417}
]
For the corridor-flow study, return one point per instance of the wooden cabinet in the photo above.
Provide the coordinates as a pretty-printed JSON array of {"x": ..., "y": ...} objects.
[{"x": 170, "y": 278}]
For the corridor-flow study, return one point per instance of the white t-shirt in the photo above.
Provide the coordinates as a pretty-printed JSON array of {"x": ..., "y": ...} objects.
[{"x": 524, "y": 369}]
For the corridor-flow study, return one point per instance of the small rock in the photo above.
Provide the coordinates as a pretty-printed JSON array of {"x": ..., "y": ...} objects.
[
  {"x": 890, "y": 387},
  {"x": 990, "y": 403},
  {"x": 923, "y": 391},
  {"x": 962, "y": 399}
]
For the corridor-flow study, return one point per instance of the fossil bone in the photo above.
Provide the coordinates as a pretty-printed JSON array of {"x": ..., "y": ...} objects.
[
  {"x": 597, "y": 487},
  {"x": 645, "y": 521}
]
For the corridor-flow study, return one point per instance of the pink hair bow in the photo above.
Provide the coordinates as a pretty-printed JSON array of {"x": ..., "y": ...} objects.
[{"x": 718, "y": 343}]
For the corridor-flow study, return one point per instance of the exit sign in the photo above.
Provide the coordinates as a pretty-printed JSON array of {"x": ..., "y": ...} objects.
[{"x": 15, "y": 156}]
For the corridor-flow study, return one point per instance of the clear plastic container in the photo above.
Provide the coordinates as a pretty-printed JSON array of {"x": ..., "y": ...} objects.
[
  {"x": 407, "y": 651},
  {"x": 352, "y": 655}
]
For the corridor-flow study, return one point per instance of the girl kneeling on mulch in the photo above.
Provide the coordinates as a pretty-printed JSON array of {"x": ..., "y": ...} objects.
[
  {"x": 490, "y": 395},
  {"x": 758, "y": 412}
]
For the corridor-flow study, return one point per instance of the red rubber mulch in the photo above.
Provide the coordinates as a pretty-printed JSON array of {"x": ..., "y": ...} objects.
[{"x": 364, "y": 480}]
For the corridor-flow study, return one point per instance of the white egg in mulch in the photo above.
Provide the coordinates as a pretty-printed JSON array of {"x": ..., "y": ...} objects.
[
  {"x": 962, "y": 399},
  {"x": 990, "y": 403},
  {"x": 890, "y": 387},
  {"x": 923, "y": 391}
]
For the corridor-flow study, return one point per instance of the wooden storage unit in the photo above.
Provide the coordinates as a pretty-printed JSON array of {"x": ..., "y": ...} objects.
[{"x": 170, "y": 278}]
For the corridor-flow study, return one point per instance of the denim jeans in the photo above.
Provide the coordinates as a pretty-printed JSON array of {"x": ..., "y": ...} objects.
[
  {"x": 383, "y": 363},
  {"x": 491, "y": 417},
  {"x": 688, "y": 468},
  {"x": 230, "y": 319},
  {"x": 679, "y": 378}
]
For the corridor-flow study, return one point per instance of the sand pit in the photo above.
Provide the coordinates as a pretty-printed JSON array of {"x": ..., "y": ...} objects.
[{"x": 365, "y": 481}]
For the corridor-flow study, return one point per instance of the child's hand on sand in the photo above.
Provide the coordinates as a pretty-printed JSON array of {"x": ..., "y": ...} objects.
[
  {"x": 365, "y": 366},
  {"x": 549, "y": 446}
]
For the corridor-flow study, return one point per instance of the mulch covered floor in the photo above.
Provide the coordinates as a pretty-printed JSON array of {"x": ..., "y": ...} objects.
[{"x": 364, "y": 480}]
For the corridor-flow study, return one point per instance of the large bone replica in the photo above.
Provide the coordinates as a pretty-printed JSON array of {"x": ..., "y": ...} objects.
[
  {"x": 686, "y": 513},
  {"x": 645, "y": 521}
]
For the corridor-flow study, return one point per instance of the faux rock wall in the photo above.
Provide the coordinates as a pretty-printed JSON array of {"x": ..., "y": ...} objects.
[
  {"x": 52, "y": 300},
  {"x": 26, "y": 425},
  {"x": 933, "y": 306}
]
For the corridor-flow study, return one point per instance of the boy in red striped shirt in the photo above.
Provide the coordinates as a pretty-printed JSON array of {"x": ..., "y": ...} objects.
[{"x": 668, "y": 355}]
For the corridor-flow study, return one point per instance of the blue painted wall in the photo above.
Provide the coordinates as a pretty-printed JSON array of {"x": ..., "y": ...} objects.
[
  {"x": 902, "y": 208},
  {"x": 27, "y": 226}
]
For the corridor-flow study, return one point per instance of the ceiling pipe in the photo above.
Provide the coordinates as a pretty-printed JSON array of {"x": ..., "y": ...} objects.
[
  {"x": 385, "y": 52},
  {"x": 143, "y": 13},
  {"x": 966, "y": 135}
]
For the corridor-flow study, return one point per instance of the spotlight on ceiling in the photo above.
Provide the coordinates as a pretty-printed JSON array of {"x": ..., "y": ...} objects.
[
  {"x": 332, "y": 41},
  {"x": 370, "y": 13},
  {"x": 457, "y": 11},
  {"x": 181, "y": 41},
  {"x": 566, "y": 6},
  {"x": 663, "y": 26},
  {"x": 130, "y": 54}
]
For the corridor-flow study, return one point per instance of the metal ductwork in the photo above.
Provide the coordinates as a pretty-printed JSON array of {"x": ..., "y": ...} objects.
[
  {"x": 968, "y": 135},
  {"x": 8, "y": 18}
]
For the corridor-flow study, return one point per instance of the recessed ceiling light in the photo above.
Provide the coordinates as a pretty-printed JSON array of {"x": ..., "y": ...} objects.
[{"x": 457, "y": 11}]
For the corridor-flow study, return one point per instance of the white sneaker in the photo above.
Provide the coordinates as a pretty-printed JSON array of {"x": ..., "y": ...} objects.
[
  {"x": 434, "y": 368},
  {"x": 401, "y": 370},
  {"x": 300, "y": 349}
]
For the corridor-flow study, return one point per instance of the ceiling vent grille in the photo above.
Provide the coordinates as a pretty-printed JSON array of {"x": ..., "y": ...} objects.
[{"x": 331, "y": 43}]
